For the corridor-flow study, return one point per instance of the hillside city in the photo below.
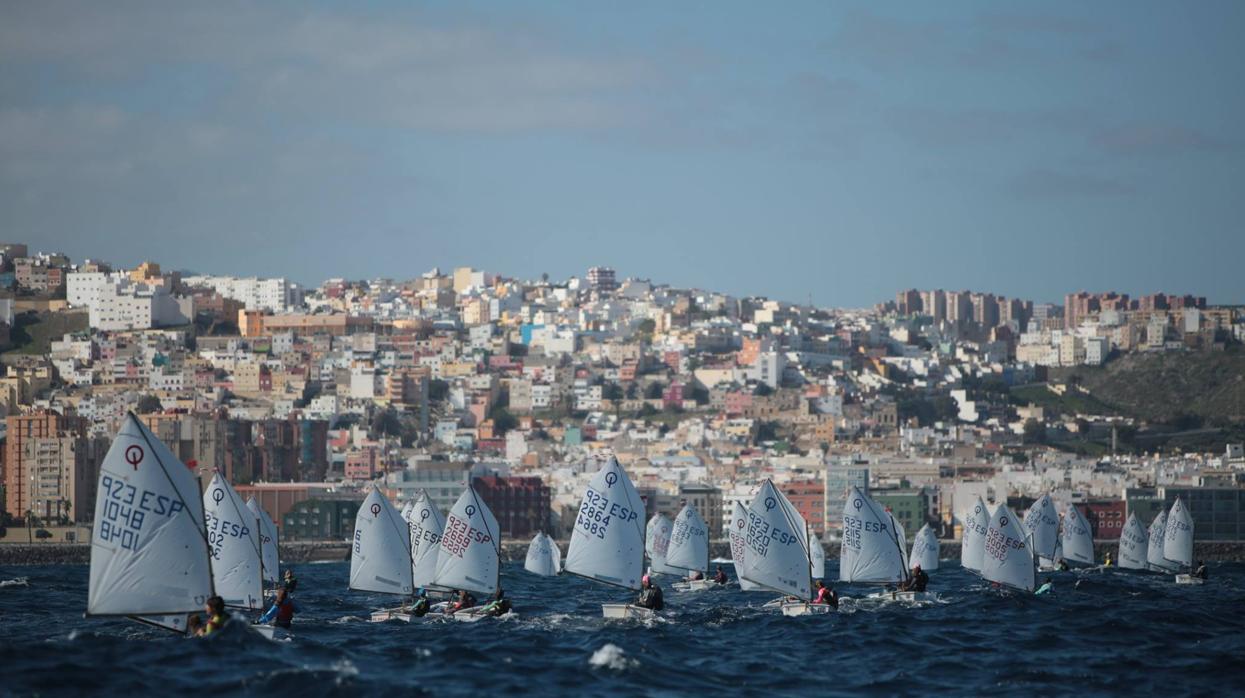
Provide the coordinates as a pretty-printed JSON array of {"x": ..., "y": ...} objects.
[{"x": 305, "y": 397}]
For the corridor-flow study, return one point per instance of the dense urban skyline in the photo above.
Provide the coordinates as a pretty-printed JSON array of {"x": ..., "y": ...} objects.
[{"x": 828, "y": 151}]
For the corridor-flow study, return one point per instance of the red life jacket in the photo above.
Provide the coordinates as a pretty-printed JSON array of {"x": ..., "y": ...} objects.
[{"x": 285, "y": 612}]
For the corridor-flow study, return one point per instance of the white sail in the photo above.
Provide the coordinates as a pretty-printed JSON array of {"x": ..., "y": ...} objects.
[
  {"x": 470, "y": 554},
  {"x": 1133, "y": 544},
  {"x": 233, "y": 536},
  {"x": 1077, "y": 537},
  {"x": 776, "y": 545},
  {"x": 817, "y": 556},
  {"x": 607, "y": 542},
  {"x": 1154, "y": 547},
  {"x": 380, "y": 557},
  {"x": 657, "y": 545},
  {"x": 738, "y": 535},
  {"x": 1008, "y": 559},
  {"x": 543, "y": 556},
  {"x": 870, "y": 550},
  {"x": 426, "y": 526},
  {"x": 1042, "y": 522},
  {"x": 268, "y": 541},
  {"x": 925, "y": 549},
  {"x": 1178, "y": 538},
  {"x": 973, "y": 539},
  {"x": 689, "y": 541},
  {"x": 149, "y": 551}
]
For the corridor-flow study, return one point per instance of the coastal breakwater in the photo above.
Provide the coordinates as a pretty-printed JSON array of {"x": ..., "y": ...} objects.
[{"x": 337, "y": 551}]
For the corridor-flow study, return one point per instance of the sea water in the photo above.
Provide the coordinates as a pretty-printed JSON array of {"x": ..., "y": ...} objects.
[{"x": 1101, "y": 632}]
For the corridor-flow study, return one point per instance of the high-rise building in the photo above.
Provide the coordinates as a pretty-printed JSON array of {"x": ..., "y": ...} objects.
[
  {"x": 46, "y": 455},
  {"x": 934, "y": 304},
  {"x": 602, "y": 280},
  {"x": 908, "y": 302}
]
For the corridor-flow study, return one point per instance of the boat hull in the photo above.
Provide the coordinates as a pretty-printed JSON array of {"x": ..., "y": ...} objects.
[
  {"x": 801, "y": 608},
  {"x": 1189, "y": 579},
  {"x": 695, "y": 585},
  {"x": 388, "y": 614},
  {"x": 902, "y": 596},
  {"x": 625, "y": 611}
]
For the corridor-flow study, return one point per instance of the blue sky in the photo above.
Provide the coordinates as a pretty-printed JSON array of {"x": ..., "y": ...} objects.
[{"x": 838, "y": 151}]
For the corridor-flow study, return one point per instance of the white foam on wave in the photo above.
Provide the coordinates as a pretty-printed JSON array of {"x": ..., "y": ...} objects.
[{"x": 611, "y": 656}]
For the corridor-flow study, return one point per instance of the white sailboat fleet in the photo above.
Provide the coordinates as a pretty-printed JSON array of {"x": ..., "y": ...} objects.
[{"x": 160, "y": 548}]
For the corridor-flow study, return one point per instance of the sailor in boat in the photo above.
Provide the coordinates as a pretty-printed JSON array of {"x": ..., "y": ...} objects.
[
  {"x": 282, "y": 612},
  {"x": 650, "y": 595},
  {"x": 720, "y": 575},
  {"x": 1063, "y": 565},
  {"x": 216, "y": 618},
  {"x": 1106, "y": 560},
  {"x": 499, "y": 605},
  {"x": 917, "y": 581},
  {"x": 465, "y": 600},
  {"x": 421, "y": 606},
  {"x": 289, "y": 583},
  {"x": 1047, "y": 587},
  {"x": 1200, "y": 571},
  {"x": 825, "y": 595},
  {"x": 194, "y": 625}
]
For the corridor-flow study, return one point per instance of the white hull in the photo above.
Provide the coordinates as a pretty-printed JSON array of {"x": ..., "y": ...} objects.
[
  {"x": 1189, "y": 579},
  {"x": 470, "y": 615},
  {"x": 271, "y": 632},
  {"x": 902, "y": 596},
  {"x": 625, "y": 610},
  {"x": 775, "y": 603},
  {"x": 695, "y": 585},
  {"x": 387, "y": 614},
  {"x": 801, "y": 608}
]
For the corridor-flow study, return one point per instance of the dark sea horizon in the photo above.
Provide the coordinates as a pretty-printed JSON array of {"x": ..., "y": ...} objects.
[{"x": 1114, "y": 632}]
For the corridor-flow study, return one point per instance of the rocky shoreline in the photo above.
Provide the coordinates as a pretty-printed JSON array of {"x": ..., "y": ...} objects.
[{"x": 302, "y": 552}]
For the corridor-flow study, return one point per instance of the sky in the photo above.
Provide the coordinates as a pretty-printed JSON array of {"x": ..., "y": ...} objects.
[{"x": 832, "y": 151}]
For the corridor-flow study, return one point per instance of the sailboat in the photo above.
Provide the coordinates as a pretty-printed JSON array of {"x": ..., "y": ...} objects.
[
  {"x": 470, "y": 553},
  {"x": 380, "y": 554},
  {"x": 1133, "y": 544},
  {"x": 925, "y": 549},
  {"x": 607, "y": 542},
  {"x": 689, "y": 549},
  {"x": 1178, "y": 541},
  {"x": 271, "y": 555},
  {"x": 1042, "y": 523},
  {"x": 873, "y": 549},
  {"x": 1154, "y": 548},
  {"x": 737, "y": 535},
  {"x": 775, "y": 551},
  {"x": 426, "y": 525},
  {"x": 973, "y": 539},
  {"x": 1008, "y": 558},
  {"x": 234, "y": 537},
  {"x": 543, "y": 556},
  {"x": 150, "y": 557},
  {"x": 1077, "y": 537},
  {"x": 817, "y": 556},
  {"x": 657, "y": 545}
]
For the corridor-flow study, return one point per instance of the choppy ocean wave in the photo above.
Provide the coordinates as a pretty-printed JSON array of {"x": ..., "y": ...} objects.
[{"x": 1113, "y": 632}]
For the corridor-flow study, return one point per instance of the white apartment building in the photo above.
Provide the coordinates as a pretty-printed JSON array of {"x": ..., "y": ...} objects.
[
  {"x": 277, "y": 295},
  {"x": 130, "y": 306}
]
